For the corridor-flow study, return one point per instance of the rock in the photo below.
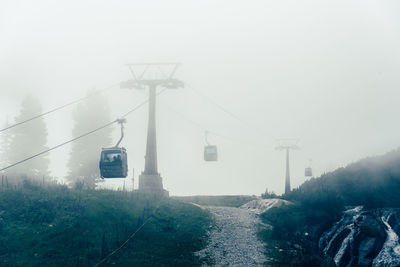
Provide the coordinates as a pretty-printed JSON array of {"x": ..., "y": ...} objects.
[
  {"x": 364, "y": 251},
  {"x": 261, "y": 205},
  {"x": 364, "y": 238},
  {"x": 337, "y": 242}
]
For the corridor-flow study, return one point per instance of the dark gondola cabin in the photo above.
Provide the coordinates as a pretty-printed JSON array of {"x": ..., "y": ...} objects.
[
  {"x": 113, "y": 162},
  {"x": 308, "y": 172},
  {"x": 210, "y": 153}
]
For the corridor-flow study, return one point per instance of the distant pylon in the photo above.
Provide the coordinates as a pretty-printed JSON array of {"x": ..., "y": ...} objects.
[
  {"x": 287, "y": 144},
  {"x": 133, "y": 179}
]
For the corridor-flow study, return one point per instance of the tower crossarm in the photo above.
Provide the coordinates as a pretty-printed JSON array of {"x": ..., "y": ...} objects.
[
  {"x": 152, "y": 74},
  {"x": 293, "y": 147}
]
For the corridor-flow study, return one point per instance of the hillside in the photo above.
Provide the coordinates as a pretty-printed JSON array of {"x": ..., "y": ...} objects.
[
  {"x": 373, "y": 182},
  {"x": 318, "y": 230},
  {"x": 56, "y": 226}
]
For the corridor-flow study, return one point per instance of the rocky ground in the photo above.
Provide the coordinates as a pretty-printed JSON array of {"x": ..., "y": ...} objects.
[
  {"x": 364, "y": 238},
  {"x": 233, "y": 240}
]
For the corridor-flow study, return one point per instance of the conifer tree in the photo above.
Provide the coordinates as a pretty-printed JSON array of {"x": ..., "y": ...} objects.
[
  {"x": 84, "y": 158},
  {"x": 5, "y": 140},
  {"x": 27, "y": 139}
]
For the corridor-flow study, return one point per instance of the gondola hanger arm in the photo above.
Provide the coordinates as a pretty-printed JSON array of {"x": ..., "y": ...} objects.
[{"x": 121, "y": 122}]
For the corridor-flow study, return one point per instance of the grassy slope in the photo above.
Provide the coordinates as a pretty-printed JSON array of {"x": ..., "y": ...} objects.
[{"x": 57, "y": 226}]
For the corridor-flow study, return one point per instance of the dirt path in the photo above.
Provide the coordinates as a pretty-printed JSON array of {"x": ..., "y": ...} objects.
[{"x": 233, "y": 241}]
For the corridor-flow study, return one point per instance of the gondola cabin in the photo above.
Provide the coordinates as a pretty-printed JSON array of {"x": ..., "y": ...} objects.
[
  {"x": 308, "y": 172},
  {"x": 113, "y": 162},
  {"x": 210, "y": 153}
]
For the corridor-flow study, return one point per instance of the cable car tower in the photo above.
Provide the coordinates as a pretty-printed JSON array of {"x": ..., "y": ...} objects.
[
  {"x": 287, "y": 144},
  {"x": 152, "y": 76}
]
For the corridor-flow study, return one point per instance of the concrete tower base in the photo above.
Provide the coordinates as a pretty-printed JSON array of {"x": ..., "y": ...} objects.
[{"x": 152, "y": 184}]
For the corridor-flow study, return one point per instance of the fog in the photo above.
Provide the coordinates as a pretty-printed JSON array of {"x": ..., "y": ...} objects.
[{"x": 322, "y": 72}]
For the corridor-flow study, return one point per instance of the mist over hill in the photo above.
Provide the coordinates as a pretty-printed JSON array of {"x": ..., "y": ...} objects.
[
  {"x": 348, "y": 217},
  {"x": 373, "y": 182}
]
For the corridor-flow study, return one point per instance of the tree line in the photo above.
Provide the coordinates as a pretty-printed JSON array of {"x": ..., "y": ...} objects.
[
  {"x": 372, "y": 182},
  {"x": 29, "y": 138}
]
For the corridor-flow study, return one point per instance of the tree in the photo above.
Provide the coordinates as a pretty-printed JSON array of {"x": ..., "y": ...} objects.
[
  {"x": 27, "y": 139},
  {"x": 84, "y": 158},
  {"x": 5, "y": 140}
]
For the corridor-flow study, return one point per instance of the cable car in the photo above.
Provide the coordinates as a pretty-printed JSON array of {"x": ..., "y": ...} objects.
[
  {"x": 308, "y": 172},
  {"x": 210, "y": 153},
  {"x": 114, "y": 160}
]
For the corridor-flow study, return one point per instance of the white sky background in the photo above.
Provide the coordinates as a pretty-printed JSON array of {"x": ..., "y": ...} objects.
[{"x": 325, "y": 72}]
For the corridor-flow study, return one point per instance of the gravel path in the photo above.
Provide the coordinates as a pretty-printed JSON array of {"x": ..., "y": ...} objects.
[{"x": 233, "y": 241}]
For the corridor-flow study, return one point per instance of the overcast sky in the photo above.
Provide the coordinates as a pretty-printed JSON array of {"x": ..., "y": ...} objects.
[{"x": 324, "y": 72}]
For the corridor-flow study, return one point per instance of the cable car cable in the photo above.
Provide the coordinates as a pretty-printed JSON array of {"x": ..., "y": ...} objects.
[
  {"x": 215, "y": 103},
  {"x": 57, "y": 108},
  {"x": 225, "y": 110},
  {"x": 59, "y": 145},
  {"x": 80, "y": 136},
  {"x": 123, "y": 244},
  {"x": 129, "y": 238},
  {"x": 141, "y": 104},
  {"x": 204, "y": 129}
]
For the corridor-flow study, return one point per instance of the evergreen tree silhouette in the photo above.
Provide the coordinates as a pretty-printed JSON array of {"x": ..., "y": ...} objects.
[
  {"x": 84, "y": 158},
  {"x": 27, "y": 139},
  {"x": 5, "y": 140}
]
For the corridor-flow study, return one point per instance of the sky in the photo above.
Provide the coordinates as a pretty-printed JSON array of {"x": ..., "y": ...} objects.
[{"x": 322, "y": 72}]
